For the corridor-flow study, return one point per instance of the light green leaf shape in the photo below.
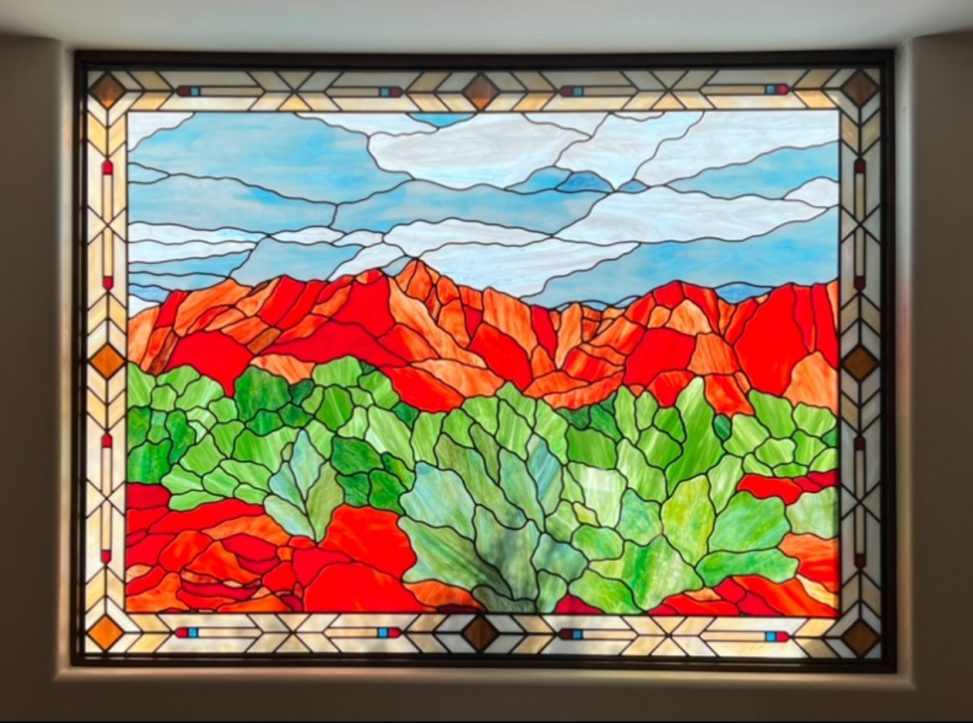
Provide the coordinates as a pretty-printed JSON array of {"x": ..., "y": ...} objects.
[
  {"x": 658, "y": 447},
  {"x": 439, "y": 499},
  {"x": 571, "y": 491},
  {"x": 140, "y": 386},
  {"x": 343, "y": 372},
  {"x": 484, "y": 411},
  {"x": 202, "y": 457},
  {"x": 457, "y": 426},
  {"x": 813, "y": 420},
  {"x": 179, "y": 378},
  {"x": 267, "y": 450},
  {"x": 747, "y": 434},
  {"x": 558, "y": 558},
  {"x": 562, "y": 523},
  {"x": 387, "y": 433},
  {"x": 163, "y": 398},
  {"x": 775, "y": 413},
  {"x": 807, "y": 447},
  {"x": 597, "y": 543},
  {"x": 524, "y": 406},
  {"x": 668, "y": 420},
  {"x": 774, "y": 452},
  {"x": 773, "y": 565},
  {"x": 513, "y": 431},
  {"x": 653, "y": 572},
  {"x": 648, "y": 482},
  {"x": 361, "y": 398},
  {"x": 321, "y": 437},
  {"x": 552, "y": 428},
  {"x": 313, "y": 402},
  {"x": 224, "y": 409},
  {"x": 815, "y": 513},
  {"x": 199, "y": 393},
  {"x": 425, "y": 432},
  {"x": 584, "y": 515},
  {"x": 602, "y": 491},
  {"x": 220, "y": 483},
  {"x": 645, "y": 409},
  {"x": 687, "y": 518},
  {"x": 181, "y": 480},
  {"x": 469, "y": 465},
  {"x": 304, "y": 492},
  {"x": 610, "y": 596},
  {"x": 248, "y": 473},
  {"x": 723, "y": 480},
  {"x": 625, "y": 414},
  {"x": 702, "y": 448},
  {"x": 752, "y": 465},
  {"x": 519, "y": 487},
  {"x": 488, "y": 448},
  {"x": 380, "y": 388},
  {"x": 790, "y": 469},
  {"x": 357, "y": 426},
  {"x": 201, "y": 419},
  {"x": 640, "y": 521},
  {"x": 551, "y": 589},
  {"x": 825, "y": 461},
  {"x": 545, "y": 469},
  {"x": 191, "y": 500},
  {"x": 749, "y": 523},
  {"x": 592, "y": 448}
]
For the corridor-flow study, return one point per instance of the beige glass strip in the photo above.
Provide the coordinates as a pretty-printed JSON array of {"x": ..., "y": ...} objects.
[
  {"x": 815, "y": 78},
  {"x": 814, "y": 98},
  {"x": 150, "y": 101},
  {"x": 533, "y": 102},
  {"x": 560, "y": 102},
  {"x": 505, "y": 82},
  {"x": 456, "y": 82},
  {"x": 371, "y": 79},
  {"x": 402, "y": 103},
  {"x": 207, "y": 77},
  {"x": 429, "y": 103},
  {"x": 458, "y": 102},
  {"x": 427, "y": 82},
  {"x": 150, "y": 80},
  {"x": 756, "y": 76}
]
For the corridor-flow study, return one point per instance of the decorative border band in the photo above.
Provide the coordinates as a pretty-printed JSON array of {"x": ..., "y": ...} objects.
[{"x": 106, "y": 633}]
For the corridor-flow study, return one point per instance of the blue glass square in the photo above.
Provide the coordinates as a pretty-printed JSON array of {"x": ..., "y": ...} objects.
[
  {"x": 194, "y": 632},
  {"x": 770, "y": 637},
  {"x": 577, "y": 634},
  {"x": 383, "y": 632},
  {"x": 194, "y": 90},
  {"x": 578, "y": 90}
]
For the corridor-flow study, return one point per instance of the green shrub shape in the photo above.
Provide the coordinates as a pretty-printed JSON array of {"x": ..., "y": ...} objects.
[{"x": 622, "y": 504}]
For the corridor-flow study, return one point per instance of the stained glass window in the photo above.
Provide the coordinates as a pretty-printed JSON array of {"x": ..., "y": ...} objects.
[{"x": 536, "y": 364}]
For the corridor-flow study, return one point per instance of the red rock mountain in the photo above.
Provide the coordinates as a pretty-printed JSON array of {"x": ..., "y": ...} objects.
[{"x": 440, "y": 343}]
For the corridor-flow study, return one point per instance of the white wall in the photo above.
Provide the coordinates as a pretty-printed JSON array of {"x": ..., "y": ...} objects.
[{"x": 935, "y": 252}]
